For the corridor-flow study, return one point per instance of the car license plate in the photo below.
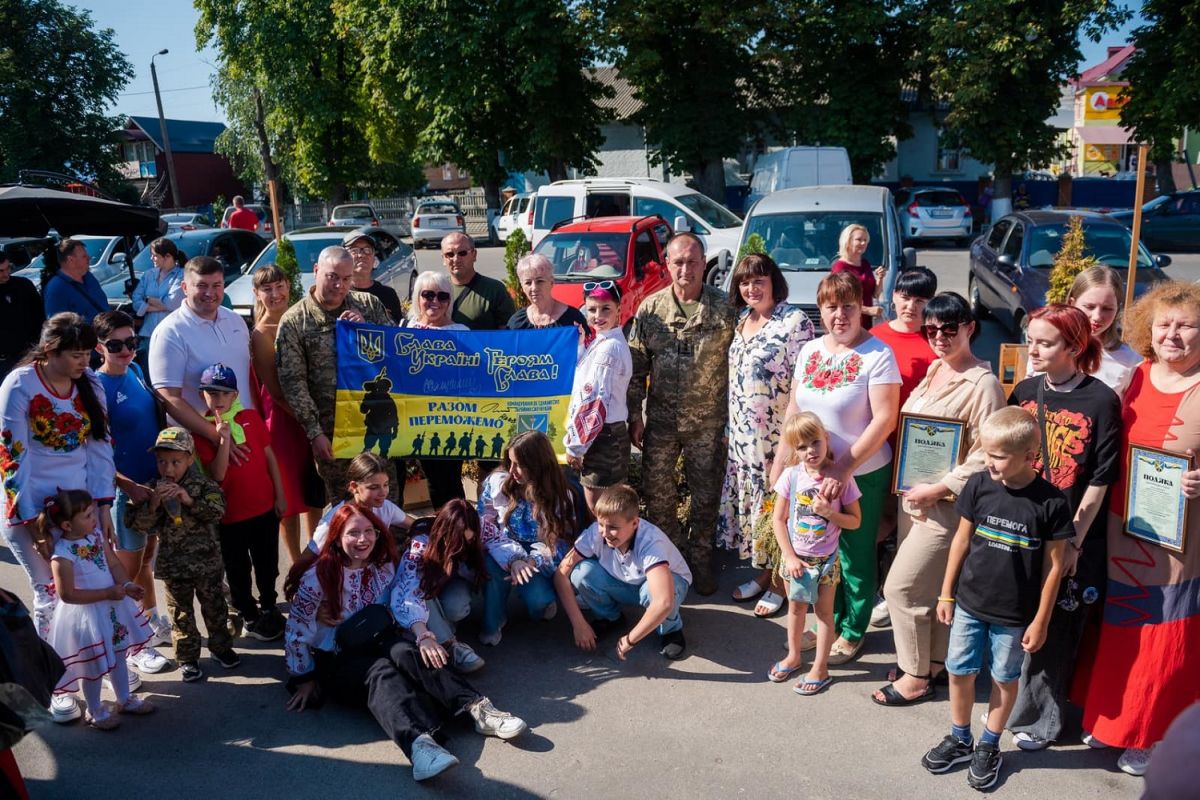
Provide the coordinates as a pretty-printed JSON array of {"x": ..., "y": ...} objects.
[
  {"x": 439, "y": 222},
  {"x": 940, "y": 213}
]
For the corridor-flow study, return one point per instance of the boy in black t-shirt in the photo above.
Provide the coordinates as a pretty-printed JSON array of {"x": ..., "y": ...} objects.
[{"x": 1003, "y": 572}]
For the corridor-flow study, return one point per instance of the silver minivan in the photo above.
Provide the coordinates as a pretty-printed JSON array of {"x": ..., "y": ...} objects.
[{"x": 800, "y": 230}]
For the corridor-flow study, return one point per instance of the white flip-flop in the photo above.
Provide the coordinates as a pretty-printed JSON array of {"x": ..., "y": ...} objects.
[
  {"x": 771, "y": 602},
  {"x": 748, "y": 591}
]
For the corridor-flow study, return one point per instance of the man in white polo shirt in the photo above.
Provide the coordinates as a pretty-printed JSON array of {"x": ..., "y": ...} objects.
[
  {"x": 624, "y": 560},
  {"x": 199, "y": 333}
]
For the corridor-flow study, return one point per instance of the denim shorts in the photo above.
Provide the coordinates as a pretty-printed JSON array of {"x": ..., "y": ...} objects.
[
  {"x": 971, "y": 638},
  {"x": 127, "y": 538}
]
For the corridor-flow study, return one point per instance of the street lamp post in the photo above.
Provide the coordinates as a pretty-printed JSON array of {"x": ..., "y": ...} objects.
[{"x": 162, "y": 123}]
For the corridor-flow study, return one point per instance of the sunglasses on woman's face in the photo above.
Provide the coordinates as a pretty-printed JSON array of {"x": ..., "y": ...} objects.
[
  {"x": 115, "y": 346},
  {"x": 429, "y": 296},
  {"x": 949, "y": 330}
]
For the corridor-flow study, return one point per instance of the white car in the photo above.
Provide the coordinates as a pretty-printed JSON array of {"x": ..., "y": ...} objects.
[
  {"x": 683, "y": 209},
  {"x": 186, "y": 222},
  {"x": 106, "y": 254},
  {"x": 433, "y": 218},
  {"x": 354, "y": 214},
  {"x": 801, "y": 227},
  {"x": 932, "y": 212},
  {"x": 517, "y": 213}
]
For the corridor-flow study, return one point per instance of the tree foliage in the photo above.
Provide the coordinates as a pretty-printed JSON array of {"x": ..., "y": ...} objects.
[
  {"x": 1069, "y": 262},
  {"x": 1164, "y": 94},
  {"x": 58, "y": 74},
  {"x": 1001, "y": 64},
  {"x": 516, "y": 246}
]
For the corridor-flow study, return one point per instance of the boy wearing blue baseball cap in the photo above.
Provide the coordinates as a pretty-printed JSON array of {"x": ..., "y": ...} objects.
[{"x": 245, "y": 467}]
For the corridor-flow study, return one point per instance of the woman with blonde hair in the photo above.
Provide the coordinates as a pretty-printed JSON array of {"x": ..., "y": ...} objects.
[
  {"x": 1099, "y": 292},
  {"x": 852, "y": 257},
  {"x": 431, "y": 303},
  {"x": 536, "y": 274}
]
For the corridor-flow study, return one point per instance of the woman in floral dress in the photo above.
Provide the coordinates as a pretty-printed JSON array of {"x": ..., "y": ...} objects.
[{"x": 762, "y": 358}]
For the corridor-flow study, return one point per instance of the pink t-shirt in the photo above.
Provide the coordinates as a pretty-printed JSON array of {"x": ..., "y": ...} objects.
[{"x": 812, "y": 535}]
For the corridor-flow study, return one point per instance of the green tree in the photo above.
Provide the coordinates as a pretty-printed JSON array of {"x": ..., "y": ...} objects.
[
  {"x": 1001, "y": 65},
  {"x": 514, "y": 247},
  {"x": 492, "y": 87},
  {"x": 754, "y": 244},
  {"x": 1164, "y": 94},
  {"x": 1069, "y": 262},
  {"x": 58, "y": 74}
]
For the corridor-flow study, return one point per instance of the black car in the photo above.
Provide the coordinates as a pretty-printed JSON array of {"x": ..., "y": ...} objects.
[
  {"x": 1170, "y": 222},
  {"x": 233, "y": 248},
  {"x": 1010, "y": 263}
]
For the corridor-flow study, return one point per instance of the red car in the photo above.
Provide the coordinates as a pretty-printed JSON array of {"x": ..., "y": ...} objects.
[{"x": 626, "y": 250}]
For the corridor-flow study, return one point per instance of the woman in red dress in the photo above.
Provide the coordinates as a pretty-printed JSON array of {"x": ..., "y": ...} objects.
[{"x": 1148, "y": 659}]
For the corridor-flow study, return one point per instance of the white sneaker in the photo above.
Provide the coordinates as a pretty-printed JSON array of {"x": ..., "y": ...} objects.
[
  {"x": 135, "y": 681},
  {"x": 162, "y": 632},
  {"x": 1093, "y": 742},
  {"x": 429, "y": 758},
  {"x": 147, "y": 660},
  {"x": 1135, "y": 760},
  {"x": 880, "y": 616},
  {"x": 1027, "y": 741},
  {"x": 550, "y": 611},
  {"x": 492, "y": 722},
  {"x": 64, "y": 708},
  {"x": 465, "y": 659}
]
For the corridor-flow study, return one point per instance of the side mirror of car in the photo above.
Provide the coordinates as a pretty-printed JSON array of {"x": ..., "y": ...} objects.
[
  {"x": 1162, "y": 260},
  {"x": 681, "y": 224},
  {"x": 117, "y": 258},
  {"x": 1007, "y": 262}
]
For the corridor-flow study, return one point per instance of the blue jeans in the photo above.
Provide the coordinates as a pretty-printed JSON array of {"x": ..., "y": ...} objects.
[
  {"x": 971, "y": 637},
  {"x": 128, "y": 540},
  {"x": 536, "y": 595},
  {"x": 605, "y": 594},
  {"x": 452, "y": 605}
]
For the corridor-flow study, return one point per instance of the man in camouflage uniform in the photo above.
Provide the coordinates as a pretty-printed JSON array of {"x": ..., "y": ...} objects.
[
  {"x": 189, "y": 553},
  {"x": 680, "y": 344},
  {"x": 306, "y": 357}
]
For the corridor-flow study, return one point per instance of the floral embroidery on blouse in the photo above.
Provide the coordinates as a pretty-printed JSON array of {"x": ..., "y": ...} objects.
[
  {"x": 120, "y": 632},
  {"x": 59, "y": 431},
  {"x": 11, "y": 453},
  {"x": 87, "y": 550},
  {"x": 829, "y": 374}
]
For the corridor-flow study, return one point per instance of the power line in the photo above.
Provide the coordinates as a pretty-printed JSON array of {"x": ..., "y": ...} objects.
[{"x": 165, "y": 91}]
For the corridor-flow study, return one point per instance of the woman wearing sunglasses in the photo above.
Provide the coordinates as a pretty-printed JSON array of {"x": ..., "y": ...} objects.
[
  {"x": 957, "y": 386},
  {"x": 134, "y": 419},
  {"x": 536, "y": 274},
  {"x": 432, "y": 307}
]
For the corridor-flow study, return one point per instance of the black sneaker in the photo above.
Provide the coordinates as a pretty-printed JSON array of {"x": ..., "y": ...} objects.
[
  {"x": 672, "y": 645},
  {"x": 985, "y": 766},
  {"x": 602, "y": 627},
  {"x": 235, "y": 625},
  {"x": 949, "y": 753},
  {"x": 190, "y": 671},
  {"x": 266, "y": 628},
  {"x": 229, "y": 659}
]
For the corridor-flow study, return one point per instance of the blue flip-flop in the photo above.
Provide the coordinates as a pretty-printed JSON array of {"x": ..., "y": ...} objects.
[
  {"x": 808, "y": 687},
  {"x": 777, "y": 674}
]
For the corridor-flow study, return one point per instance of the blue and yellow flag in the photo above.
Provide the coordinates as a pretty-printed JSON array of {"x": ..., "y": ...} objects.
[{"x": 449, "y": 394}]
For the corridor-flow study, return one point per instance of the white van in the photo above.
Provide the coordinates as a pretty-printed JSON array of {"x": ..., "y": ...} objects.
[
  {"x": 794, "y": 167},
  {"x": 683, "y": 208}
]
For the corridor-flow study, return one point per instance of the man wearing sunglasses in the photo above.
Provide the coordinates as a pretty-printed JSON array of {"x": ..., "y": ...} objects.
[
  {"x": 306, "y": 353},
  {"x": 481, "y": 303},
  {"x": 361, "y": 246},
  {"x": 21, "y": 316},
  {"x": 680, "y": 348}
]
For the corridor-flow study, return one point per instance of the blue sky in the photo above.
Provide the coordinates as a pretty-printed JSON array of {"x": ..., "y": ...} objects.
[{"x": 143, "y": 27}]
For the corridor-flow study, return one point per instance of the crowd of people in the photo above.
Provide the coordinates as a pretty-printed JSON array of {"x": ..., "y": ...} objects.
[{"x": 192, "y": 469}]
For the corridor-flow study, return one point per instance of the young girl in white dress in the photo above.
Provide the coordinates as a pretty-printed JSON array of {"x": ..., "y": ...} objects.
[{"x": 96, "y": 622}]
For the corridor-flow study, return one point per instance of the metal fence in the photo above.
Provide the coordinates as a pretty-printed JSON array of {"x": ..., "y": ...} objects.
[{"x": 394, "y": 212}]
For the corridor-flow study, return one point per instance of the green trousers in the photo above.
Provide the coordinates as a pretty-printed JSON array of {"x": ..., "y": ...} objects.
[{"x": 856, "y": 593}]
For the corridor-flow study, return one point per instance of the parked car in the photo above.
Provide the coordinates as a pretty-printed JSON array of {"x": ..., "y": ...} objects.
[
  {"x": 21, "y": 251},
  {"x": 794, "y": 167},
  {"x": 626, "y": 250},
  {"x": 517, "y": 213},
  {"x": 186, "y": 222},
  {"x": 397, "y": 265},
  {"x": 1169, "y": 222},
  {"x": 1010, "y": 264},
  {"x": 801, "y": 228},
  {"x": 433, "y": 218},
  {"x": 265, "y": 226},
  {"x": 354, "y": 214},
  {"x": 233, "y": 248},
  {"x": 107, "y": 255},
  {"x": 932, "y": 212},
  {"x": 684, "y": 209}
]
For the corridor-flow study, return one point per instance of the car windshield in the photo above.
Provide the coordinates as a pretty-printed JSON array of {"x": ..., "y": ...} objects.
[
  {"x": 438, "y": 208},
  {"x": 1108, "y": 243},
  {"x": 307, "y": 251},
  {"x": 353, "y": 212},
  {"x": 178, "y": 217},
  {"x": 939, "y": 198},
  {"x": 808, "y": 240},
  {"x": 581, "y": 257},
  {"x": 95, "y": 248},
  {"x": 712, "y": 213}
]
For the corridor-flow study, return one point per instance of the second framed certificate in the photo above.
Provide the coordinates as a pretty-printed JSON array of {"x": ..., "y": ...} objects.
[
  {"x": 1155, "y": 508},
  {"x": 926, "y": 449}
]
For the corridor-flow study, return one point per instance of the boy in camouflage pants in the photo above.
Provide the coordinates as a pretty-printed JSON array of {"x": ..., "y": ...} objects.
[{"x": 183, "y": 511}]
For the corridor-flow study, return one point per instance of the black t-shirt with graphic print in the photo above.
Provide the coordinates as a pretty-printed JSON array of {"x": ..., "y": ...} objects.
[{"x": 1001, "y": 577}]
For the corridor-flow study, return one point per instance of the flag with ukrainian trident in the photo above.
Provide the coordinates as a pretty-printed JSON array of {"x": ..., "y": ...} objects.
[{"x": 449, "y": 394}]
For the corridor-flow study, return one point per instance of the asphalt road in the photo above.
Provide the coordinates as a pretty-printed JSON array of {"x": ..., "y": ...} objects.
[{"x": 709, "y": 726}]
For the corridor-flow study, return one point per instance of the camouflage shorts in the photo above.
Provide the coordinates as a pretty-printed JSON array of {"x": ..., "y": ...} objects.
[{"x": 606, "y": 462}]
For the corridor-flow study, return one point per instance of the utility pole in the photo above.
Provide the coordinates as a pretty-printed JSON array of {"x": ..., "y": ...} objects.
[{"x": 162, "y": 124}]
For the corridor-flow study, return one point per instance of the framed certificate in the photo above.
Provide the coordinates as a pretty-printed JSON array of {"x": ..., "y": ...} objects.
[
  {"x": 1155, "y": 508},
  {"x": 926, "y": 449}
]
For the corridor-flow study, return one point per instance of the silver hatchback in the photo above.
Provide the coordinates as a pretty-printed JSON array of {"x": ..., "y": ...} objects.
[{"x": 934, "y": 213}]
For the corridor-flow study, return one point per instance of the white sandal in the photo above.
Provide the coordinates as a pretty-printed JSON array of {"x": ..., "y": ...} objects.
[
  {"x": 748, "y": 591},
  {"x": 768, "y": 605}
]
